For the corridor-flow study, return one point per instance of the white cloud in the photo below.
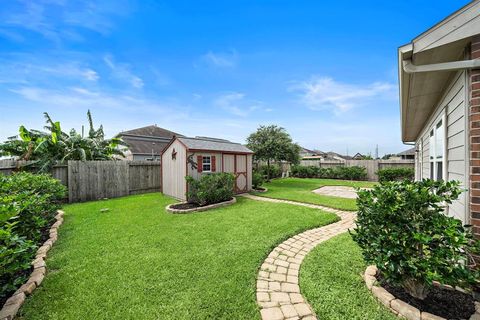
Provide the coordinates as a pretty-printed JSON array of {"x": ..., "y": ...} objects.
[
  {"x": 220, "y": 60},
  {"x": 58, "y": 20},
  {"x": 122, "y": 72},
  {"x": 32, "y": 70},
  {"x": 326, "y": 93},
  {"x": 82, "y": 98},
  {"x": 236, "y": 104}
]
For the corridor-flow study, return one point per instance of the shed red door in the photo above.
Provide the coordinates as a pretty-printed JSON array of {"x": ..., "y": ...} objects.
[{"x": 237, "y": 164}]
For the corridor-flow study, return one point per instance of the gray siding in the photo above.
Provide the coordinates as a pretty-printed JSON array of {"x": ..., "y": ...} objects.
[{"x": 453, "y": 107}]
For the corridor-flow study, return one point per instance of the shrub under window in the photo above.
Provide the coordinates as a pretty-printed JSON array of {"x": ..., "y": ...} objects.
[{"x": 402, "y": 229}]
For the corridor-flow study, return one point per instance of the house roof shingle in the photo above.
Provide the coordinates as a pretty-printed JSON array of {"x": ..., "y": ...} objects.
[
  {"x": 145, "y": 139},
  {"x": 212, "y": 144},
  {"x": 150, "y": 131}
]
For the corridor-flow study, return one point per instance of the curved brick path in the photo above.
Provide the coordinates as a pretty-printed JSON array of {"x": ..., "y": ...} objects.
[{"x": 278, "y": 293}]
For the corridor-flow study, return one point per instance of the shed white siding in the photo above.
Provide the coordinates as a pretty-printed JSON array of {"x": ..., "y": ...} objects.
[
  {"x": 249, "y": 171},
  {"x": 451, "y": 107},
  {"x": 193, "y": 172},
  {"x": 174, "y": 171}
]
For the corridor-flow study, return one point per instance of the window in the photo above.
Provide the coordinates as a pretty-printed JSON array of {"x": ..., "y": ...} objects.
[
  {"x": 206, "y": 164},
  {"x": 437, "y": 150}
]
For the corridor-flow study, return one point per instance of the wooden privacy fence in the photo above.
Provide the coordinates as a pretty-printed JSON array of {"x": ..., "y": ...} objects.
[{"x": 93, "y": 180}]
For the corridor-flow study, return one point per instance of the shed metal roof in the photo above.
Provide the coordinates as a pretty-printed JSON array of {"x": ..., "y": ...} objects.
[{"x": 213, "y": 145}]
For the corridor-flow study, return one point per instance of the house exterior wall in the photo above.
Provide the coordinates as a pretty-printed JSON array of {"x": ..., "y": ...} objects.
[
  {"x": 452, "y": 111},
  {"x": 474, "y": 136},
  {"x": 174, "y": 171}
]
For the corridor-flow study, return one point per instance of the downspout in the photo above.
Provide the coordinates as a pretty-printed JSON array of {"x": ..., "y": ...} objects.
[{"x": 409, "y": 67}]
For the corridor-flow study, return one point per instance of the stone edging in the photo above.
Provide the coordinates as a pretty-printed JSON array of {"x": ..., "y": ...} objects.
[
  {"x": 261, "y": 191},
  {"x": 13, "y": 304},
  {"x": 278, "y": 292},
  {"x": 400, "y": 307},
  {"x": 198, "y": 209}
]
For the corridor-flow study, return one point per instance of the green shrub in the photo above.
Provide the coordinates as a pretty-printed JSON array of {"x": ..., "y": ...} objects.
[
  {"x": 305, "y": 171},
  {"x": 345, "y": 173},
  {"x": 36, "y": 198},
  {"x": 275, "y": 171},
  {"x": 351, "y": 173},
  {"x": 28, "y": 205},
  {"x": 395, "y": 174},
  {"x": 257, "y": 180},
  {"x": 210, "y": 188},
  {"x": 402, "y": 229},
  {"x": 15, "y": 258}
]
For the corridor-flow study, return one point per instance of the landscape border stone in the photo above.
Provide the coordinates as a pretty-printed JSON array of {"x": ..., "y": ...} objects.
[
  {"x": 13, "y": 304},
  {"x": 199, "y": 209},
  {"x": 398, "y": 306}
]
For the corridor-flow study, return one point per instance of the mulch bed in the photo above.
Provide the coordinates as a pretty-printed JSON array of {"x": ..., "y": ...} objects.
[
  {"x": 442, "y": 302},
  {"x": 184, "y": 206}
]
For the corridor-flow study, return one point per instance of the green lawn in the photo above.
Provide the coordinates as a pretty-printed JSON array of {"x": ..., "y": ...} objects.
[
  {"x": 300, "y": 189},
  {"x": 331, "y": 280},
  {"x": 138, "y": 262}
]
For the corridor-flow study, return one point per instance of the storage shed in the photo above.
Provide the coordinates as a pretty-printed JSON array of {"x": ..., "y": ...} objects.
[{"x": 201, "y": 155}]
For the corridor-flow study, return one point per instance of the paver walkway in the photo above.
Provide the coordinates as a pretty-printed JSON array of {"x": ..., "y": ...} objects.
[{"x": 278, "y": 292}]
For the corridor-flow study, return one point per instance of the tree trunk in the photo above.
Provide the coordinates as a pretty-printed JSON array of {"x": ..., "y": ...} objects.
[
  {"x": 268, "y": 170},
  {"x": 416, "y": 289}
]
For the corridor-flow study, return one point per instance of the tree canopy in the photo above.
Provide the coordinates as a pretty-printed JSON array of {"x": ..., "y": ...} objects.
[{"x": 273, "y": 143}]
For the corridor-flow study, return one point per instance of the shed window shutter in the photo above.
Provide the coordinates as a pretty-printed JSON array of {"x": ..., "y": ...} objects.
[
  {"x": 214, "y": 164},
  {"x": 199, "y": 163}
]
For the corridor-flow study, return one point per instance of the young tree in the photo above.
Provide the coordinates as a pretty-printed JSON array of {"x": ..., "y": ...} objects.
[{"x": 273, "y": 143}]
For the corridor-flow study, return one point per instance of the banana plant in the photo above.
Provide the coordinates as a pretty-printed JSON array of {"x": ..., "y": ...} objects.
[{"x": 47, "y": 148}]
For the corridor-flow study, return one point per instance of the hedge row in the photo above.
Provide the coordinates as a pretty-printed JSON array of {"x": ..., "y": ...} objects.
[
  {"x": 345, "y": 173},
  {"x": 28, "y": 205},
  {"x": 396, "y": 174}
]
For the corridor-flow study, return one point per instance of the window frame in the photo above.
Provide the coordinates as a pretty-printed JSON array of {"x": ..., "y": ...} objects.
[
  {"x": 438, "y": 172},
  {"x": 209, "y": 164}
]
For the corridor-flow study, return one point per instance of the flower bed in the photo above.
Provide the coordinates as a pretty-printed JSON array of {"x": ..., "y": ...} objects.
[
  {"x": 444, "y": 302},
  {"x": 186, "y": 207}
]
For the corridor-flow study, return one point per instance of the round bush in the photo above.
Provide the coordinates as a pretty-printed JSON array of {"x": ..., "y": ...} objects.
[{"x": 402, "y": 229}]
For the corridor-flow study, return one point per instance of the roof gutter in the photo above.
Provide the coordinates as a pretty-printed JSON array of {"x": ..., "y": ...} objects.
[{"x": 409, "y": 67}]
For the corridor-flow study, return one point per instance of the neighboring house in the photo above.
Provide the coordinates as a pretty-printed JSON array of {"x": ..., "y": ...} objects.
[
  {"x": 358, "y": 156},
  {"x": 202, "y": 155},
  {"x": 440, "y": 105},
  {"x": 406, "y": 155},
  {"x": 336, "y": 156},
  {"x": 307, "y": 153},
  {"x": 304, "y": 152},
  {"x": 146, "y": 143}
]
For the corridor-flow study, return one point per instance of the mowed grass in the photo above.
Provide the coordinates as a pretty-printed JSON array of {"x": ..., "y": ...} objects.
[
  {"x": 138, "y": 262},
  {"x": 300, "y": 189},
  {"x": 331, "y": 280}
]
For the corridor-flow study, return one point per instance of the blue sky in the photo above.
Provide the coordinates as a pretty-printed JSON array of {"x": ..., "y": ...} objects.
[{"x": 326, "y": 71}]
